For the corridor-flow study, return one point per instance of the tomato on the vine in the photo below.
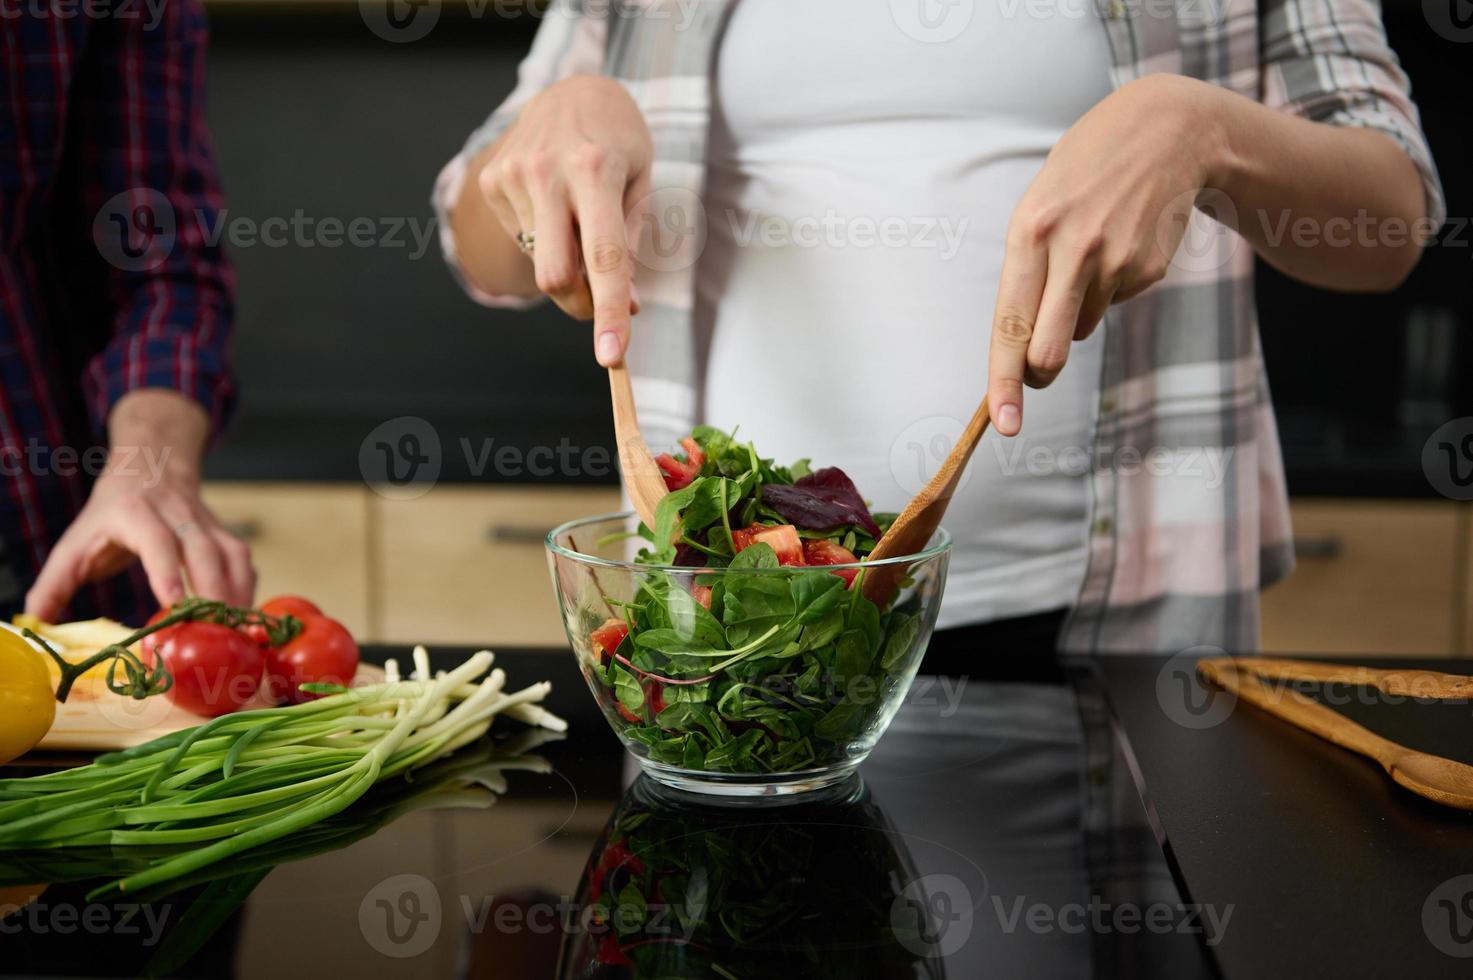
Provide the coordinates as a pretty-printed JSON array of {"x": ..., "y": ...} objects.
[
  {"x": 216, "y": 669},
  {"x": 282, "y": 605},
  {"x": 323, "y": 653}
]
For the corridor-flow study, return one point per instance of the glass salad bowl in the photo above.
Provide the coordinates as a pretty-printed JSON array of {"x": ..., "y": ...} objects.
[{"x": 750, "y": 680}]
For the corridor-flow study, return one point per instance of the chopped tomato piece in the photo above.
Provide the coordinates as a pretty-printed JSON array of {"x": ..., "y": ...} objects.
[
  {"x": 682, "y": 473},
  {"x": 628, "y": 715},
  {"x": 606, "y": 638},
  {"x": 702, "y": 594},
  {"x": 829, "y": 553},
  {"x": 654, "y": 695},
  {"x": 781, "y": 538}
]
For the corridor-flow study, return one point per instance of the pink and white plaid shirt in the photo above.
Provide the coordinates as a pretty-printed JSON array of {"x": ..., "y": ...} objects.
[{"x": 1175, "y": 561}]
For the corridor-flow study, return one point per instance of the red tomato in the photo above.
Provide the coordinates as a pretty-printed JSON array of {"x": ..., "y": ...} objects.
[
  {"x": 290, "y": 605},
  {"x": 702, "y": 594},
  {"x": 216, "y": 669},
  {"x": 323, "y": 653},
  {"x": 654, "y": 696},
  {"x": 679, "y": 475},
  {"x": 628, "y": 715},
  {"x": 282, "y": 605},
  {"x": 782, "y": 538},
  {"x": 606, "y": 638},
  {"x": 829, "y": 553}
]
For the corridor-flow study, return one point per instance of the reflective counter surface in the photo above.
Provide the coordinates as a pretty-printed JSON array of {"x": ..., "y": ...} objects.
[{"x": 995, "y": 832}]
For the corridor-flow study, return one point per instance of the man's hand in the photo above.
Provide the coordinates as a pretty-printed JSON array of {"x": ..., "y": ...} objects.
[{"x": 146, "y": 504}]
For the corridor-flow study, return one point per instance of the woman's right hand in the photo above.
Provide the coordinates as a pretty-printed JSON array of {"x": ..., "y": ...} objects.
[{"x": 574, "y": 170}]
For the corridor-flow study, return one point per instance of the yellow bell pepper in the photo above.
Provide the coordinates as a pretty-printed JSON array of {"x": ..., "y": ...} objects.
[{"x": 27, "y": 699}]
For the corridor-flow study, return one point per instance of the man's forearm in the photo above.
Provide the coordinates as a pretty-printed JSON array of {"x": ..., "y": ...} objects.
[
  {"x": 489, "y": 258},
  {"x": 160, "y": 433},
  {"x": 1337, "y": 207}
]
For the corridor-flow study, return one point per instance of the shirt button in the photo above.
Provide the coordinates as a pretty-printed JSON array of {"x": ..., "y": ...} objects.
[
  {"x": 1108, "y": 404},
  {"x": 1103, "y": 526}
]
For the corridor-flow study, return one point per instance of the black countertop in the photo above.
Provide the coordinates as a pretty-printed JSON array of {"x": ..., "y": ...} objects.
[{"x": 997, "y": 830}]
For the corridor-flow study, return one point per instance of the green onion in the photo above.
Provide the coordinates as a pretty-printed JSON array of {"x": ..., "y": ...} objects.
[{"x": 243, "y": 780}]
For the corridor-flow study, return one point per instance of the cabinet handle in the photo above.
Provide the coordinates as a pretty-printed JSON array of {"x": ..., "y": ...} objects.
[
  {"x": 246, "y": 530},
  {"x": 1318, "y": 546},
  {"x": 517, "y": 534}
]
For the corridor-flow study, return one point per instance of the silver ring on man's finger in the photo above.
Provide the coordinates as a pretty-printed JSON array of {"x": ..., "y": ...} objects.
[
  {"x": 526, "y": 241},
  {"x": 180, "y": 530}
]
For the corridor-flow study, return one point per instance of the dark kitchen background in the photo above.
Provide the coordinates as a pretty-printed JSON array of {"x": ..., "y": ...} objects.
[{"x": 313, "y": 110}]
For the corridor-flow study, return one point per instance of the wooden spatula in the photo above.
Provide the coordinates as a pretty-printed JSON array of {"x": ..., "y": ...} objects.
[
  {"x": 1440, "y": 780},
  {"x": 643, "y": 480},
  {"x": 916, "y": 524}
]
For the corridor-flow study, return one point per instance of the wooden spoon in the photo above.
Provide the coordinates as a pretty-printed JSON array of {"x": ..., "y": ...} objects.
[
  {"x": 913, "y": 529},
  {"x": 1440, "y": 780},
  {"x": 1398, "y": 681},
  {"x": 643, "y": 480}
]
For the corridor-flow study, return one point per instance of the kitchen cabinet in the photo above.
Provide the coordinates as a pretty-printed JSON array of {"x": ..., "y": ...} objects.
[
  {"x": 1374, "y": 577},
  {"x": 469, "y": 565},
  {"x": 459, "y": 565},
  {"x": 309, "y": 539}
]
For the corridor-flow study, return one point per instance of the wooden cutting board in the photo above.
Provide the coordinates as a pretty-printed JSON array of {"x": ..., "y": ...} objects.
[{"x": 94, "y": 719}]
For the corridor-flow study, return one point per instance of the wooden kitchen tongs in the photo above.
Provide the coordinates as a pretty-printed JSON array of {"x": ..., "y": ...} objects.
[{"x": 1440, "y": 780}]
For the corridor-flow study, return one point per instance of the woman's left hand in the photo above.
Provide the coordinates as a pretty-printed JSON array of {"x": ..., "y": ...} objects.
[{"x": 1098, "y": 225}]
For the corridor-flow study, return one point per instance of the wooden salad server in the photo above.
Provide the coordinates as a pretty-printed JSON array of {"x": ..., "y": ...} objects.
[
  {"x": 1440, "y": 780},
  {"x": 916, "y": 524},
  {"x": 643, "y": 480}
]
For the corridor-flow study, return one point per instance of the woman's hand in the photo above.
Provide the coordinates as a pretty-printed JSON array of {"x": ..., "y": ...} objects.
[
  {"x": 573, "y": 170},
  {"x": 1098, "y": 225}
]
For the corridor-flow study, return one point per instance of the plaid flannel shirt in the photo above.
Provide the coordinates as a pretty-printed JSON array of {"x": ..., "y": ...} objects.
[
  {"x": 107, "y": 284},
  {"x": 1175, "y": 561}
]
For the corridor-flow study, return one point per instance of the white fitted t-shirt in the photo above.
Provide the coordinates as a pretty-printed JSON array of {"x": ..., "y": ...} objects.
[{"x": 863, "y": 167}]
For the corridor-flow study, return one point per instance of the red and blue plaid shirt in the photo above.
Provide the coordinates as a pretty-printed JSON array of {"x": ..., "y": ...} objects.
[{"x": 107, "y": 280}]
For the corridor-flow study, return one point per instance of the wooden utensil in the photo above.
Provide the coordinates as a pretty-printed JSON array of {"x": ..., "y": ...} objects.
[
  {"x": 643, "y": 480},
  {"x": 1399, "y": 681},
  {"x": 913, "y": 529},
  {"x": 1440, "y": 780}
]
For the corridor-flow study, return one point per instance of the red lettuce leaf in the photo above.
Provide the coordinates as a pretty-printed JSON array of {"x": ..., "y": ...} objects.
[{"x": 821, "y": 501}]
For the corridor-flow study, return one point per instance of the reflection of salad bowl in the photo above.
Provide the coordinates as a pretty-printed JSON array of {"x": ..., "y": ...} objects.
[
  {"x": 751, "y": 678},
  {"x": 824, "y": 890}
]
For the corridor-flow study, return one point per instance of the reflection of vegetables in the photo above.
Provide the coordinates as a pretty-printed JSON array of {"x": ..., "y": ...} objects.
[
  {"x": 251, "y": 778},
  {"x": 470, "y": 779},
  {"x": 27, "y": 704},
  {"x": 683, "y": 892},
  {"x": 755, "y": 669}
]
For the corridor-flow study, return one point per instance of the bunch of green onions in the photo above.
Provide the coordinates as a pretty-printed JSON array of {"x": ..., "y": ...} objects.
[{"x": 246, "y": 779}]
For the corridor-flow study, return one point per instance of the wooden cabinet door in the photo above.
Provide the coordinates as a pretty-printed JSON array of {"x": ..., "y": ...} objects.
[
  {"x": 308, "y": 539},
  {"x": 1373, "y": 577},
  {"x": 468, "y": 564}
]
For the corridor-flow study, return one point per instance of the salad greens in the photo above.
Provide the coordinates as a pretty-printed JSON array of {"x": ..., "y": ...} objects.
[{"x": 754, "y": 660}]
